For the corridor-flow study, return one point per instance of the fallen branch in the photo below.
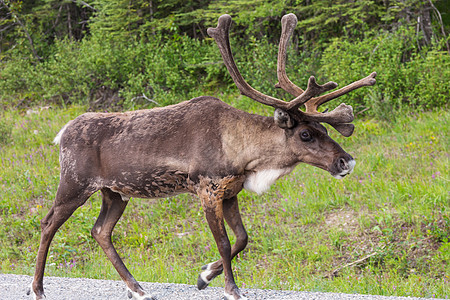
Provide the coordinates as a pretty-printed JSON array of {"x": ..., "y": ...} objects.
[{"x": 336, "y": 271}]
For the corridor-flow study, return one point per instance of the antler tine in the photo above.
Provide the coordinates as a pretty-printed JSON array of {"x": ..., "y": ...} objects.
[
  {"x": 288, "y": 24},
  {"x": 312, "y": 90},
  {"x": 313, "y": 104},
  {"x": 221, "y": 36}
]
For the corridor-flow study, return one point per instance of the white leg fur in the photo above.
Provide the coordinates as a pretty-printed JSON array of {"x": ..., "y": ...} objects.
[
  {"x": 206, "y": 273},
  {"x": 231, "y": 297},
  {"x": 31, "y": 292},
  {"x": 136, "y": 296}
]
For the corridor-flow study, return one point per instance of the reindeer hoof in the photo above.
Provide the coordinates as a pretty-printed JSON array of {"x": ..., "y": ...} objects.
[
  {"x": 208, "y": 274},
  {"x": 233, "y": 293},
  {"x": 135, "y": 296},
  {"x": 203, "y": 281},
  {"x": 234, "y": 297},
  {"x": 30, "y": 292},
  {"x": 201, "y": 284}
]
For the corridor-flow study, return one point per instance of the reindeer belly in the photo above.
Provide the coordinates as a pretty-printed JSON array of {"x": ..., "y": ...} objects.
[{"x": 151, "y": 185}]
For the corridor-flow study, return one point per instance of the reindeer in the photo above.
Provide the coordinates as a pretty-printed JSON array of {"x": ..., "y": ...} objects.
[{"x": 202, "y": 146}]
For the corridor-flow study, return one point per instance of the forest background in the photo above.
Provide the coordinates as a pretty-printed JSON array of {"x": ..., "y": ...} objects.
[
  {"x": 130, "y": 54},
  {"x": 383, "y": 230}
]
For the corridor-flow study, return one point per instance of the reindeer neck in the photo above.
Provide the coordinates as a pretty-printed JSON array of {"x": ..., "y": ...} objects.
[{"x": 257, "y": 144}]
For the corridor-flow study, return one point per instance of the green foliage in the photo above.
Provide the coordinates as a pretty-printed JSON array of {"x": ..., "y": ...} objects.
[
  {"x": 118, "y": 20},
  {"x": 78, "y": 70},
  {"x": 406, "y": 78},
  {"x": 136, "y": 53},
  {"x": 33, "y": 26},
  {"x": 5, "y": 132},
  {"x": 323, "y": 20},
  {"x": 169, "y": 71}
]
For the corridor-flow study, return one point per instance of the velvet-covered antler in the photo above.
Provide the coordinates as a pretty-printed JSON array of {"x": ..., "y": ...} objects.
[{"x": 338, "y": 118}]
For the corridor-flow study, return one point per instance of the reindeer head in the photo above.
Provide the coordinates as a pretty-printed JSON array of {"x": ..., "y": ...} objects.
[{"x": 307, "y": 138}]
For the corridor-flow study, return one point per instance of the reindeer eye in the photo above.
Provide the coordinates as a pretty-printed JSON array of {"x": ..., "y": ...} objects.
[{"x": 305, "y": 136}]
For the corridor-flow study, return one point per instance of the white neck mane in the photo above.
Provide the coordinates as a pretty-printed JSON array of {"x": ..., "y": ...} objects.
[{"x": 260, "y": 182}]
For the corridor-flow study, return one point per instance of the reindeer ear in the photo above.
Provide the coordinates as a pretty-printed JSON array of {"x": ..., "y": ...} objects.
[
  {"x": 283, "y": 119},
  {"x": 345, "y": 129}
]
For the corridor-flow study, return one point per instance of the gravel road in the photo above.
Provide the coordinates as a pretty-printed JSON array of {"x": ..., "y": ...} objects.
[{"x": 15, "y": 287}]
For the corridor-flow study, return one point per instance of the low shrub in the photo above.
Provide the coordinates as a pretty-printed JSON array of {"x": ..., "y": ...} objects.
[
  {"x": 407, "y": 77},
  {"x": 153, "y": 70}
]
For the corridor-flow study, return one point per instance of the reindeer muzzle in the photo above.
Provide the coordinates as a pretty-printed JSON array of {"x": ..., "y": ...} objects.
[{"x": 342, "y": 166}]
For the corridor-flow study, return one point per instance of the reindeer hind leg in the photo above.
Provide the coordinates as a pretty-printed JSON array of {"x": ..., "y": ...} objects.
[{"x": 69, "y": 197}]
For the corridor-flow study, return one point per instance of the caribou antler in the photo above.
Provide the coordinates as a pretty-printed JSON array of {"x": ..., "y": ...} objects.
[
  {"x": 220, "y": 34},
  {"x": 288, "y": 24},
  {"x": 337, "y": 118}
]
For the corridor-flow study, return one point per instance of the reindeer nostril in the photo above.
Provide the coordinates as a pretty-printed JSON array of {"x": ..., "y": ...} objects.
[{"x": 342, "y": 164}]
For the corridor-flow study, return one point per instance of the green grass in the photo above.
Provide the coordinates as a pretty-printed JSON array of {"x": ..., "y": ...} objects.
[{"x": 394, "y": 207}]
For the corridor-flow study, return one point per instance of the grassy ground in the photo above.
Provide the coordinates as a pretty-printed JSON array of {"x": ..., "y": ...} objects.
[{"x": 382, "y": 230}]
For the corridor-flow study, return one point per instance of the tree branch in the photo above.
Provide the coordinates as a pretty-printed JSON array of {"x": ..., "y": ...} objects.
[
  {"x": 25, "y": 30},
  {"x": 440, "y": 23},
  {"x": 30, "y": 40},
  {"x": 84, "y": 4},
  {"x": 146, "y": 98}
]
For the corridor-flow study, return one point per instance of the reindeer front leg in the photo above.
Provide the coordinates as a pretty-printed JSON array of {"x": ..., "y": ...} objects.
[
  {"x": 234, "y": 220},
  {"x": 212, "y": 198}
]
